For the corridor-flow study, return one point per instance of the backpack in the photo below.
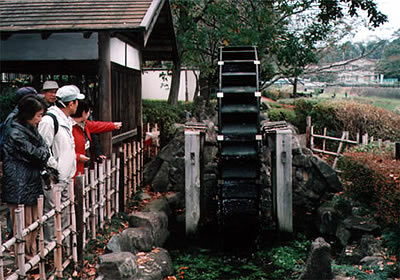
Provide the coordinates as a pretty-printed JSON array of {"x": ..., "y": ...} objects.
[{"x": 55, "y": 122}]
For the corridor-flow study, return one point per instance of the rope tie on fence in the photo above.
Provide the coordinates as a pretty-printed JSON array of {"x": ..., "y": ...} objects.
[{"x": 18, "y": 240}]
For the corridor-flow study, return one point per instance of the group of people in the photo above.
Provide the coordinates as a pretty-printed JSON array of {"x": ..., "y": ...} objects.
[{"x": 47, "y": 141}]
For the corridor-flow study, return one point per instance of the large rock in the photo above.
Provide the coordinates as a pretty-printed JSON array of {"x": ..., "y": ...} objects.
[
  {"x": 139, "y": 239},
  {"x": 117, "y": 266},
  {"x": 158, "y": 205},
  {"x": 318, "y": 266},
  {"x": 156, "y": 221},
  {"x": 176, "y": 200},
  {"x": 328, "y": 173},
  {"x": 154, "y": 265},
  {"x": 160, "y": 181}
]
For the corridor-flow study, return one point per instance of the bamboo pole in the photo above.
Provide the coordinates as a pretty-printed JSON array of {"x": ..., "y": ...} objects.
[
  {"x": 118, "y": 166},
  {"x": 80, "y": 214},
  {"x": 101, "y": 194},
  {"x": 113, "y": 180},
  {"x": 148, "y": 147},
  {"x": 141, "y": 162},
  {"x": 156, "y": 144},
  {"x": 125, "y": 182},
  {"x": 324, "y": 140},
  {"x": 86, "y": 195},
  {"x": 93, "y": 212},
  {"x": 73, "y": 225},
  {"x": 108, "y": 189},
  {"x": 344, "y": 135},
  {"x": 58, "y": 231},
  {"x": 309, "y": 132},
  {"x": 130, "y": 166},
  {"x": 20, "y": 220},
  {"x": 134, "y": 169},
  {"x": 42, "y": 269},
  {"x": 312, "y": 137}
]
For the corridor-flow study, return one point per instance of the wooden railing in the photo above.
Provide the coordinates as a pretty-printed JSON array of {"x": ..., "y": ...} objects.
[{"x": 99, "y": 194}]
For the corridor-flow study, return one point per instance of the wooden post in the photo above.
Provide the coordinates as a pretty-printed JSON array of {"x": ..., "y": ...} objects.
[
  {"x": 20, "y": 220},
  {"x": 324, "y": 140},
  {"x": 58, "y": 231},
  {"x": 42, "y": 269},
  {"x": 73, "y": 224},
  {"x": 80, "y": 213},
  {"x": 282, "y": 180},
  {"x": 379, "y": 143},
  {"x": 397, "y": 151},
  {"x": 192, "y": 180},
  {"x": 105, "y": 97},
  {"x": 308, "y": 132}
]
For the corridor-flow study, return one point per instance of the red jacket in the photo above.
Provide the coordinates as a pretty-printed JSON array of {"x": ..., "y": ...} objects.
[{"x": 79, "y": 137}]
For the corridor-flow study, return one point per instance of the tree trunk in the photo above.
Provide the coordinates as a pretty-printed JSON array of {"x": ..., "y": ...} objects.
[
  {"x": 176, "y": 77},
  {"x": 295, "y": 86},
  {"x": 197, "y": 90}
]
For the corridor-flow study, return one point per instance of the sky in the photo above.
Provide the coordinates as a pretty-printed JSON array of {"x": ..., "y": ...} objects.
[{"x": 391, "y": 8}]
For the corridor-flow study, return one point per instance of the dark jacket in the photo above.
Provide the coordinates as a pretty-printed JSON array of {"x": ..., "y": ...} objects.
[{"x": 25, "y": 155}]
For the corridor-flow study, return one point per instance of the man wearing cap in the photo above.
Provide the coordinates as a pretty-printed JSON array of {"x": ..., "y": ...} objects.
[
  {"x": 49, "y": 92},
  {"x": 62, "y": 146}
]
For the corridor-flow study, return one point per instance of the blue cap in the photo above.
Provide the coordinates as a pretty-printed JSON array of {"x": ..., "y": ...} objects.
[{"x": 21, "y": 92}]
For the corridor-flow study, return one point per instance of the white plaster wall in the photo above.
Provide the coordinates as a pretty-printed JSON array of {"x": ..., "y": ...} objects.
[
  {"x": 124, "y": 54},
  {"x": 153, "y": 87},
  {"x": 59, "y": 46}
]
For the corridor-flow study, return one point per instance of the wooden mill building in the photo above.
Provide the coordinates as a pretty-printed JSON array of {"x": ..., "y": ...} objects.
[{"x": 99, "y": 46}]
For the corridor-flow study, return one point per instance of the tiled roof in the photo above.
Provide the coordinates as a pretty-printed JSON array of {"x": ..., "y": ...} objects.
[{"x": 73, "y": 15}]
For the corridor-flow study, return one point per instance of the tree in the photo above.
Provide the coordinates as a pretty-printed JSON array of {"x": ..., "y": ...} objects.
[
  {"x": 389, "y": 65},
  {"x": 287, "y": 32}
]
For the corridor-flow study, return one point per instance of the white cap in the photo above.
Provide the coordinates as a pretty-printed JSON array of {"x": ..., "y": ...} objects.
[
  {"x": 49, "y": 85},
  {"x": 69, "y": 93}
]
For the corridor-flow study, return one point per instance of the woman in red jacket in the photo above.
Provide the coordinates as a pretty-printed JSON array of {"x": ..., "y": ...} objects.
[{"x": 82, "y": 130}]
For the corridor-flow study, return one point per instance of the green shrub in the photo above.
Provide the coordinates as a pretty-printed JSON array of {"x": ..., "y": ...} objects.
[
  {"x": 272, "y": 94},
  {"x": 165, "y": 115},
  {"x": 322, "y": 114},
  {"x": 280, "y": 114},
  {"x": 8, "y": 101}
]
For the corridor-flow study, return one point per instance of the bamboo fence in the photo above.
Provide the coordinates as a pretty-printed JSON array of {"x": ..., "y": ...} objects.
[
  {"x": 98, "y": 197},
  {"x": 344, "y": 139}
]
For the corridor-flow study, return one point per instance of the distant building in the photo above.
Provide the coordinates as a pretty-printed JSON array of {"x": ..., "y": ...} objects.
[{"x": 361, "y": 71}]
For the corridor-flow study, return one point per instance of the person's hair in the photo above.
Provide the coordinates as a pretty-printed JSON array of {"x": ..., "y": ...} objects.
[
  {"x": 83, "y": 106},
  {"x": 28, "y": 106}
]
